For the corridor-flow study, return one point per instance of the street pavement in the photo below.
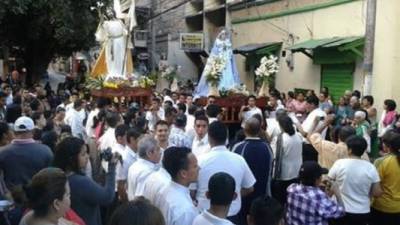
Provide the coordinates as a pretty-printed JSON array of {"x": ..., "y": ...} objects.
[{"x": 54, "y": 78}]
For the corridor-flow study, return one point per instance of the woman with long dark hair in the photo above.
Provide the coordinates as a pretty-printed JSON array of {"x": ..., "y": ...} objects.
[
  {"x": 288, "y": 158},
  {"x": 86, "y": 195}
]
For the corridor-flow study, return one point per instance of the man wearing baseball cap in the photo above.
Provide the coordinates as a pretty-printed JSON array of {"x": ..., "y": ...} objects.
[
  {"x": 23, "y": 158},
  {"x": 307, "y": 203}
]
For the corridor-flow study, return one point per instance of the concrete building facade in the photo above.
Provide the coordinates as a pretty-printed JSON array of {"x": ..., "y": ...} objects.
[
  {"x": 304, "y": 28},
  {"x": 199, "y": 18},
  {"x": 328, "y": 35}
]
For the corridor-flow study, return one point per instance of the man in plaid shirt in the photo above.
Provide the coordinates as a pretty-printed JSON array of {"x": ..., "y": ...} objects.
[{"x": 307, "y": 204}]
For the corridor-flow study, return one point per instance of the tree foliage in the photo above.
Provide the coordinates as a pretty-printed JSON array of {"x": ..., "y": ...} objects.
[{"x": 43, "y": 29}]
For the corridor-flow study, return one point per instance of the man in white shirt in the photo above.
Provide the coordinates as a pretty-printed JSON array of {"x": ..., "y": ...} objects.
[
  {"x": 73, "y": 98},
  {"x": 213, "y": 113},
  {"x": 65, "y": 102},
  {"x": 155, "y": 184},
  {"x": 220, "y": 159},
  {"x": 181, "y": 107},
  {"x": 155, "y": 113},
  {"x": 358, "y": 180},
  {"x": 189, "y": 103},
  {"x": 100, "y": 104},
  {"x": 162, "y": 134},
  {"x": 274, "y": 104},
  {"x": 273, "y": 128},
  {"x": 248, "y": 111},
  {"x": 128, "y": 158},
  {"x": 147, "y": 163},
  {"x": 177, "y": 136},
  {"x": 314, "y": 119},
  {"x": 74, "y": 119},
  {"x": 315, "y": 116},
  {"x": 189, "y": 129},
  {"x": 119, "y": 147},
  {"x": 221, "y": 192},
  {"x": 8, "y": 91},
  {"x": 170, "y": 114},
  {"x": 200, "y": 143},
  {"x": 175, "y": 202},
  {"x": 108, "y": 140}
]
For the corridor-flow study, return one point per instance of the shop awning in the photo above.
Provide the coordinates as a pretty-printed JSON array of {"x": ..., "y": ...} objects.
[
  {"x": 258, "y": 49},
  {"x": 340, "y": 43},
  {"x": 197, "y": 52}
]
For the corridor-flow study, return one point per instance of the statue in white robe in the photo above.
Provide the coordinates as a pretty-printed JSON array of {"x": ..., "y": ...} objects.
[{"x": 115, "y": 36}]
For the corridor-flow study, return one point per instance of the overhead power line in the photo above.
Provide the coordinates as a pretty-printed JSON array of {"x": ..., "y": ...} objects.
[{"x": 169, "y": 9}]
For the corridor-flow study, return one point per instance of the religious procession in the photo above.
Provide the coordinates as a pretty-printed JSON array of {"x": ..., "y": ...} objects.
[{"x": 199, "y": 112}]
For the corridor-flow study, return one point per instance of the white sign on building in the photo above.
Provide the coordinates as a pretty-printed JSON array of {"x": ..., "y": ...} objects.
[{"x": 191, "y": 41}]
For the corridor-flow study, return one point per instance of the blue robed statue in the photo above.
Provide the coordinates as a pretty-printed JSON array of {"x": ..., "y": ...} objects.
[{"x": 230, "y": 76}]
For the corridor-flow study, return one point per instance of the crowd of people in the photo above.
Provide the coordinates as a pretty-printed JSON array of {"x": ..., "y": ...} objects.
[{"x": 303, "y": 159}]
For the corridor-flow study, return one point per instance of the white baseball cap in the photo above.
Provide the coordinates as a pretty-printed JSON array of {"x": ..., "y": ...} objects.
[{"x": 23, "y": 123}]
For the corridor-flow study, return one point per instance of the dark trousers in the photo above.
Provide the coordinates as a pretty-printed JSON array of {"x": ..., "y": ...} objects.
[
  {"x": 234, "y": 219},
  {"x": 380, "y": 218},
  {"x": 279, "y": 189},
  {"x": 309, "y": 153},
  {"x": 107, "y": 211},
  {"x": 353, "y": 219}
]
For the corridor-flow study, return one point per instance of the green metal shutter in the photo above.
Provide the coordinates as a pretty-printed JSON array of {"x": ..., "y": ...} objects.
[{"x": 338, "y": 78}]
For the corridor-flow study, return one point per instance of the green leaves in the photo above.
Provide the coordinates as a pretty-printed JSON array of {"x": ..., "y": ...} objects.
[
  {"x": 42, "y": 29},
  {"x": 64, "y": 25}
]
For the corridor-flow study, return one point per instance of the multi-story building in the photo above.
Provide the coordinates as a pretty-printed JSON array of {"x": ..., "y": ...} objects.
[
  {"x": 184, "y": 32},
  {"x": 319, "y": 43}
]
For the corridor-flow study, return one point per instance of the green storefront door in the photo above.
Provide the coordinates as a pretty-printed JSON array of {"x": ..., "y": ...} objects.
[{"x": 338, "y": 78}]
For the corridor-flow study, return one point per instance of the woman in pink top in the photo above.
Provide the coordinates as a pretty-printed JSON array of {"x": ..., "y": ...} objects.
[
  {"x": 390, "y": 108},
  {"x": 289, "y": 101},
  {"x": 299, "y": 106}
]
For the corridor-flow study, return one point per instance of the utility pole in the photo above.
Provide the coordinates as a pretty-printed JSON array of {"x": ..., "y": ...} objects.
[
  {"x": 369, "y": 46},
  {"x": 153, "y": 36}
]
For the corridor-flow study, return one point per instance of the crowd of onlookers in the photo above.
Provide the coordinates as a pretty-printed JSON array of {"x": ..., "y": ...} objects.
[{"x": 67, "y": 157}]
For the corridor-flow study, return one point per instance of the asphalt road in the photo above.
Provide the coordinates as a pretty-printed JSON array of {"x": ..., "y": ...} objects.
[{"x": 54, "y": 78}]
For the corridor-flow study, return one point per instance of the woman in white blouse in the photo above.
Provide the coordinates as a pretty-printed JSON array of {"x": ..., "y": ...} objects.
[{"x": 288, "y": 158}]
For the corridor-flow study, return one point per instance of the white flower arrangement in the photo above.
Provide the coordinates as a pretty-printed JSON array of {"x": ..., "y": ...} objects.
[
  {"x": 268, "y": 66},
  {"x": 241, "y": 90},
  {"x": 168, "y": 73},
  {"x": 145, "y": 82},
  {"x": 214, "y": 69}
]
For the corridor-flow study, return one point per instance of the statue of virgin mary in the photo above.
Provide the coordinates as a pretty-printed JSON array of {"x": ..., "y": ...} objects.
[{"x": 230, "y": 76}]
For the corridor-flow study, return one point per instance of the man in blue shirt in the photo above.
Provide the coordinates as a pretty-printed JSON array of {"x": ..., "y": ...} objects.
[
  {"x": 23, "y": 158},
  {"x": 258, "y": 155}
]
